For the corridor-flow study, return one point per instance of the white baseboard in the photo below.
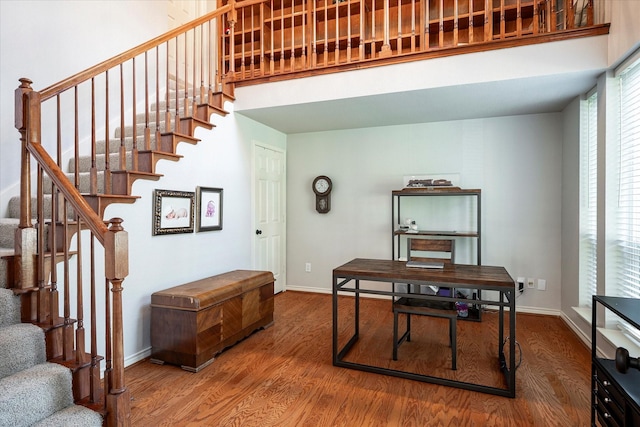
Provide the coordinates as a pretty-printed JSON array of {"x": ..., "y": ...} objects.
[
  {"x": 576, "y": 330},
  {"x": 538, "y": 310},
  {"x": 308, "y": 289},
  {"x": 134, "y": 358}
]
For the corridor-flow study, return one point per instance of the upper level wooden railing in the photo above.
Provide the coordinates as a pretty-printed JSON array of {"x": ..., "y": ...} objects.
[
  {"x": 275, "y": 39},
  {"x": 143, "y": 101}
]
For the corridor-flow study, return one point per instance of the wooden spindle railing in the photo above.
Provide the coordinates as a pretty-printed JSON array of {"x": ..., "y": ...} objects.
[{"x": 349, "y": 34}]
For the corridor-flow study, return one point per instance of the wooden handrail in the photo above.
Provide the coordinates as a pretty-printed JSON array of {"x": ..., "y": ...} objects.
[
  {"x": 32, "y": 102},
  {"x": 85, "y": 75},
  {"x": 79, "y": 204}
]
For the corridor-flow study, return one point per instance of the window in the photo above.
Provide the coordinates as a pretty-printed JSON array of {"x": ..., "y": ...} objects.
[
  {"x": 588, "y": 199},
  {"x": 623, "y": 254},
  {"x": 625, "y": 260}
]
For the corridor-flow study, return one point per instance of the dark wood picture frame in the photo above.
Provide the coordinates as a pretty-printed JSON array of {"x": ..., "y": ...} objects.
[
  {"x": 209, "y": 213},
  {"x": 173, "y": 212}
]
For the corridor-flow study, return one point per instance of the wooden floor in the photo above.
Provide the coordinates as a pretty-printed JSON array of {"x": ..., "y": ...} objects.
[{"x": 283, "y": 376}]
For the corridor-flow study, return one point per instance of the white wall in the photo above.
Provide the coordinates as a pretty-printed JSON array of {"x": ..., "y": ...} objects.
[
  {"x": 571, "y": 213},
  {"x": 47, "y": 41},
  {"x": 221, "y": 159},
  {"x": 515, "y": 161},
  {"x": 624, "y": 33}
]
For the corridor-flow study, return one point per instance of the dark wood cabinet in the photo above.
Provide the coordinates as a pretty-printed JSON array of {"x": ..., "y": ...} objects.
[{"x": 616, "y": 395}]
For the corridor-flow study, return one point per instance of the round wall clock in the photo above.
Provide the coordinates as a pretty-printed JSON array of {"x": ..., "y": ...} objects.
[{"x": 322, "y": 187}]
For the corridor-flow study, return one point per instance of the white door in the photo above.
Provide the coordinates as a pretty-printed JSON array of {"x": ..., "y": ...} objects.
[{"x": 269, "y": 213}]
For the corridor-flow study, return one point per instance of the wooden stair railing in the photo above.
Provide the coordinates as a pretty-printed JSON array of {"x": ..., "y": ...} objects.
[{"x": 144, "y": 101}]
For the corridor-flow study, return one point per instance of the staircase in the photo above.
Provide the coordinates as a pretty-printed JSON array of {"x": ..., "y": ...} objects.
[
  {"x": 35, "y": 392},
  {"x": 42, "y": 392},
  {"x": 51, "y": 373}
]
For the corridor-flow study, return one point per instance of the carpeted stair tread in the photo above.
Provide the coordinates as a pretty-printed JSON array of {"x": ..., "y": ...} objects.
[
  {"x": 36, "y": 393},
  {"x": 8, "y": 227},
  {"x": 84, "y": 181},
  {"x": 13, "y": 208},
  {"x": 4, "y": 267},
  {"x": 84, "y": 162},
  {"x": 9, "y": 309},
  {"x": 22, "y": 346},
  {"x": 114, "y": 144},
  {"x": 140, "y": 129},
  {"x": 72, "y": 416}
]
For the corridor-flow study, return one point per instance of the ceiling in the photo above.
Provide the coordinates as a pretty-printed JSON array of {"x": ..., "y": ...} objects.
[{"x": 530, "y": 95}]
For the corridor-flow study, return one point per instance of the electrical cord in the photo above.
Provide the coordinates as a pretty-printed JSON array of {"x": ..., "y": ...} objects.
[{"x": 519, "y": 351}]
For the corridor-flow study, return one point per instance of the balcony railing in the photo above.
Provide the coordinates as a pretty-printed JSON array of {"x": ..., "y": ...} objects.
[{"x": 270, "y": 38}]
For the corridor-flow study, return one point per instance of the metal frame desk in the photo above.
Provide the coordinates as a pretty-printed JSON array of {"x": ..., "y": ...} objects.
[{"x": 478, "y": 277}]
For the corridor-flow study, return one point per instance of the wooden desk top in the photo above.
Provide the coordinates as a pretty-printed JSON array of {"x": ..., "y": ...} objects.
[{"x": 480, "y": 276}]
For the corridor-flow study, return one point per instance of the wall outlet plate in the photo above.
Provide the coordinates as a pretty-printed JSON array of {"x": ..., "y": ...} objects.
[
  {"x": 531, "y": 283},
  {"x": 542, "y": 285}
]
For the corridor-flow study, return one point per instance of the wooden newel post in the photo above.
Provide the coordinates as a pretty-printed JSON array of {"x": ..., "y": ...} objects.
[
  {"x": 27, "y": 121},
  {"x": 116, "y": 245},
  {"x": 21, "y": 118}
]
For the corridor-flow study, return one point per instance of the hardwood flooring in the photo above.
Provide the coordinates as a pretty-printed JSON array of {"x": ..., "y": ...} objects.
[{"x": 284, "y": 376}]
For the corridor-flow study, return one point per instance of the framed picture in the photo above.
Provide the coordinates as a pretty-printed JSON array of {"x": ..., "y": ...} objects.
[
  {"x": 173, "y": 212},
  {"x": 209, "y": 209}
]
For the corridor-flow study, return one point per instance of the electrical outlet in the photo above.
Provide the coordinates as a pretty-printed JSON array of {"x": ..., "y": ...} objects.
[
  {"x": 531, "y": 283},
  {"x": 542, "y": 285},
  {"x": 520, "y": 282},
  {"x": 307, "y": 267}
]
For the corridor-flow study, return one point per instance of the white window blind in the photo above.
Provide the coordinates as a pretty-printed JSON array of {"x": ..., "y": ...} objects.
[
  {"x": 588, "y": 199},
  {"x": 627, "y": 259}
]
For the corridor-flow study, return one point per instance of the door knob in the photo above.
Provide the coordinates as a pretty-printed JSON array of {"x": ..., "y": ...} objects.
[{"x": 258, "y": 232}]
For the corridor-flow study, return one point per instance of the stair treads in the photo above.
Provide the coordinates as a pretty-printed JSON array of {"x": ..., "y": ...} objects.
[
  {"x": 22, "y": 346},
  {"x": 9, "y": 308},
  {"x": 74, "y": 415},
  {"x": 36, "y": 393}
]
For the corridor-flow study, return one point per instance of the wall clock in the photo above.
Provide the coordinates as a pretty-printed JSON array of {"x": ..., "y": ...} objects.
[{"x": 322, "y": 187}]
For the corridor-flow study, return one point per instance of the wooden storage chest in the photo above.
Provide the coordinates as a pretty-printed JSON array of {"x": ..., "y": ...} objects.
[{"x": 193, "y": 322}]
